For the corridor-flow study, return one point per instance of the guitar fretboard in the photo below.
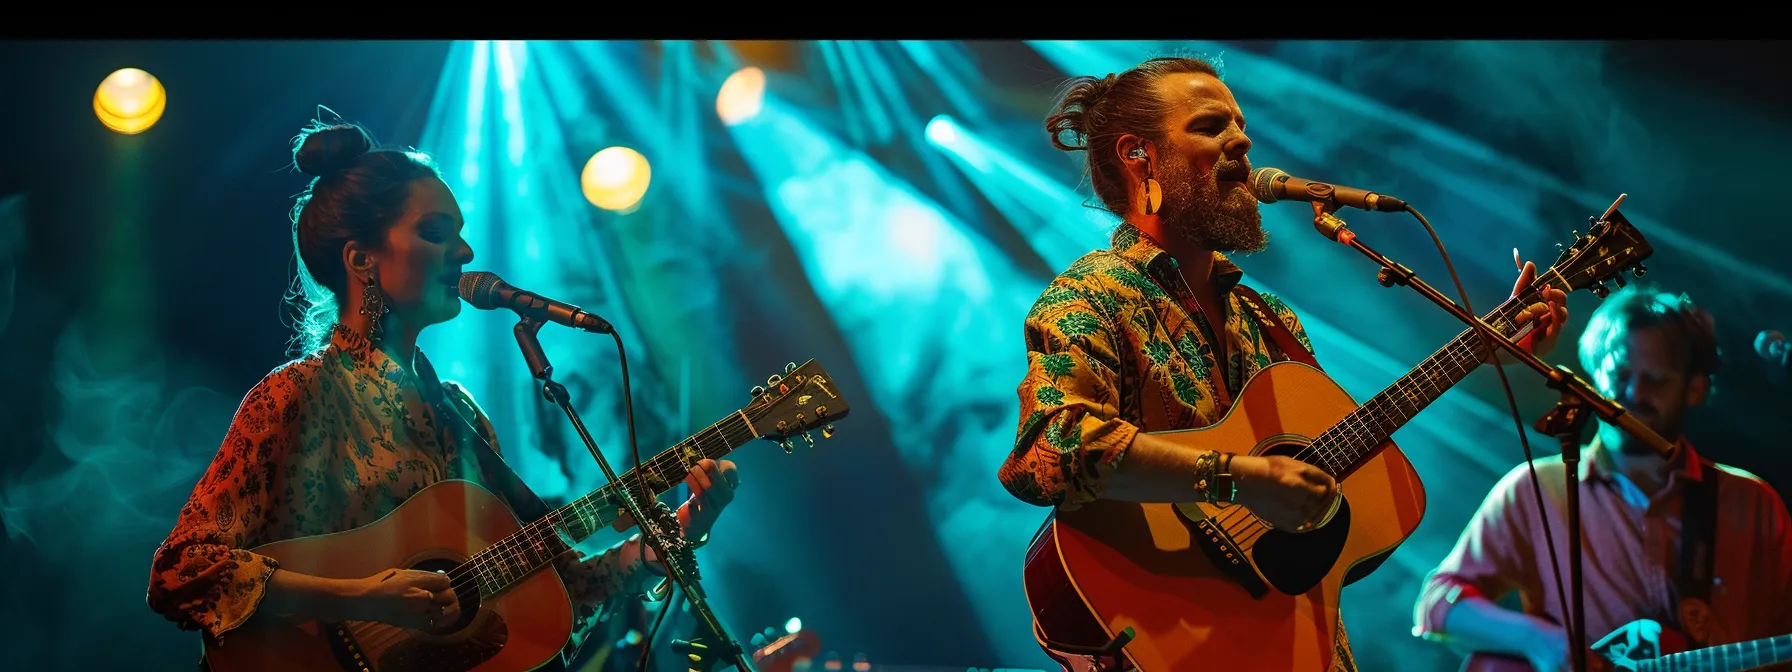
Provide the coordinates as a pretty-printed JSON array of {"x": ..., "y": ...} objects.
[
  {"x": 539, "y": 543},
  {"x": 1726, "y": 658},
  {"x": 1356, "y": 438}
]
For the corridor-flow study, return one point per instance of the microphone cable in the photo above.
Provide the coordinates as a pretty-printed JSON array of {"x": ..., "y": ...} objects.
[
  {"x": 646, "y": 499},
  {"x": 1512, "y": 403}
]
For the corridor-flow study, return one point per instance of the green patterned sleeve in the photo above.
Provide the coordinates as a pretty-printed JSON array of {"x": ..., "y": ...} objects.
[
  {"x": 1071, "y": 438},
  {"x": 1289, "y": 319}
]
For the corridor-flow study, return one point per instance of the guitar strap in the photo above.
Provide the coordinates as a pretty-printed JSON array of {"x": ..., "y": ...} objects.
[
  {"x": 495, "y": 475},
  {"x": 1698, "y": 546},
  {"x": 1284, "y": 339},
  {"x": 495, "y": 472}
]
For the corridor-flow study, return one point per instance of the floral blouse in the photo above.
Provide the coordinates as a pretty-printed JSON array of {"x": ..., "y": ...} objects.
[{"x": 329, "y": 443}]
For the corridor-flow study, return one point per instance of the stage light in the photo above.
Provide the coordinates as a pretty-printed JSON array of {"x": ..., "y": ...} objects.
[
  {"x": 615, "y": 178},
  {"x": 942, "y": 131},
  {"x": 130, "y": 101},
  {"x": 793, "y": 625},
  {"x": 742, "y": 94}
]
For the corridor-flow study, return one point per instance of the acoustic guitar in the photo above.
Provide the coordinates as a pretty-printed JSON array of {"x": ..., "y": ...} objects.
[
  {"x": 1645, "y": 645},
  {"x": 515, "y": 612},
  {"x": 1205, "y": 587}
]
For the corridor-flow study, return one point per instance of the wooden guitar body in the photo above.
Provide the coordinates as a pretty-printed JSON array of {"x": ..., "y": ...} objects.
[
  {"x": 1197, "y": 602},
  {"x": 438, "y": 528},
  {"x": 515, "y": 613}
]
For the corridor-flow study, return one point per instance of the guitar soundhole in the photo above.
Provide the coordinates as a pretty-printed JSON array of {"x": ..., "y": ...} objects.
[
  {"x": 466, "y": 592},
  {"x": 450, "y": 647},
  {"x": 1296, "y": 562}
]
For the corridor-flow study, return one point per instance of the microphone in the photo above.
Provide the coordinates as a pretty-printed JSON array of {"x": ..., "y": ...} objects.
[
  {"x": 1772, "y": 347},
  {"x": 1270, "y": 185},
  {"x": 1771, "y": 344},
  {"x": 486, "y": 291}
]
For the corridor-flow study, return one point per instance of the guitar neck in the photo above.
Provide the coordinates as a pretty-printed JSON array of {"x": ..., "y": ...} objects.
[
  {"x": 585, "y": 515},
  {"x": 1726, "y": 658},
  {"x": 537, "y": 544},
  {"x": 1356, "y": 438}
]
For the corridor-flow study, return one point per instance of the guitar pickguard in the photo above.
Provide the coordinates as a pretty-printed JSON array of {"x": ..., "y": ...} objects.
[
  {"x": 1290, "y": 563},
  {"x": 1296, "y": 563}
]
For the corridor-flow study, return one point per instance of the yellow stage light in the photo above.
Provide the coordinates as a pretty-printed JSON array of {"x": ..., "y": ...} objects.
[
  {"x": 615, "y": 178},
  {"x": 130, "y": 101},
  {"x": 742, "y": 94}
]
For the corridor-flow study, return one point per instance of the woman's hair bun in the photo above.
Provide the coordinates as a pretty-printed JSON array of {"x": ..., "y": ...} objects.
[{"x": 322, "y": 149}]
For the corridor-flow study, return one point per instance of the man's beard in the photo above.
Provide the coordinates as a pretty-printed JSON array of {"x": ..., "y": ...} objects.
[{"x": 1194, "y": 209}]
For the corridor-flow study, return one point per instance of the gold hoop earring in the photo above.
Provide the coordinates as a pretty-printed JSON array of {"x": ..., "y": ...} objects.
[{"x": 373, "y": 305}]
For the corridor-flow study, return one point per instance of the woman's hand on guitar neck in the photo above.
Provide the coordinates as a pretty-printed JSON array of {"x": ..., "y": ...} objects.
[
  {"x": 406, "y": 598},
  {"x": 1287, "y": 493},
  {"x": 712, "y": 486}
]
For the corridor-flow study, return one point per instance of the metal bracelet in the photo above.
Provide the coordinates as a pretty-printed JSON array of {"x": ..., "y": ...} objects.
[{"x": 1224, "y": 480}]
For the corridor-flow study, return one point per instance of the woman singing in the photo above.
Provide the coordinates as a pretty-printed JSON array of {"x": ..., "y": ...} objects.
[{"x": 339, "y": 438}]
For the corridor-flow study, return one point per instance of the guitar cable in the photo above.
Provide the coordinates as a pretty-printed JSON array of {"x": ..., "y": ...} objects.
[{"x": 1511, "y": 402}]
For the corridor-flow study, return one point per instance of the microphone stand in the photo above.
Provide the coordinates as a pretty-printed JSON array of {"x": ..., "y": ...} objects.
[
  {"x": 661, "y": 531},
  {"x": 1565, "y": 421}
]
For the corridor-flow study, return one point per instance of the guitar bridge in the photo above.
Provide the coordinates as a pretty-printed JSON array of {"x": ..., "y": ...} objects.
[
  {"x": 348, "y": 651},
  {"x": 1229, "y": 558}
]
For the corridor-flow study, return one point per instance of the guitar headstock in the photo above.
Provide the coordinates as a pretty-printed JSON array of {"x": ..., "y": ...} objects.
[
  {"x": 1610, "y": 247},
  {"x": 796, "y": 402}
]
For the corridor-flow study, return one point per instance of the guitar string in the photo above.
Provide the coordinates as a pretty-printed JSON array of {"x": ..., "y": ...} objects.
[
  {"x": 494, "y": 567},
  {"x": 1356, "y": 427},
  {"x": 533, "y": 536},
  {"x": 1352, "y": 427},
  {"x": 1357, "y": 430},
  {"x": 527, "y": 544}
]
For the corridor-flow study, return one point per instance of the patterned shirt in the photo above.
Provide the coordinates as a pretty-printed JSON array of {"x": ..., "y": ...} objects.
[
  {"x": 1117, "y": 345},
  {"x": 328, "y": 443},
  {"x": 1630, "y": 547}
]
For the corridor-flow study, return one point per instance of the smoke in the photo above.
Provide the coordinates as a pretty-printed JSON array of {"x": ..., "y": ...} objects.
[
  {"x": 1556, "y": 97},
  {"x": 84, "y": 519},
  {"x": 12, "y": 239}
]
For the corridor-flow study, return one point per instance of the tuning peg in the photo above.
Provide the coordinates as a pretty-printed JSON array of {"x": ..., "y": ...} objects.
[
  {"x": 785, "y": 444},
  {"x": 757, "y": 390},
  {"x": 1619, "y": 278},
  {"x": 1600, "y": 290},
  {"x": 789, "y": 367},
  {"x": 827, "y": 432},
  {"x": 1640, "y": 271},
  {"x": 773, "y": 381},
  {"x": 809, "y": 438}
]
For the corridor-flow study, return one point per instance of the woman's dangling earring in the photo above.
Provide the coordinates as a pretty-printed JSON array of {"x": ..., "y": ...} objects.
[{"x": 373, "y": 305}]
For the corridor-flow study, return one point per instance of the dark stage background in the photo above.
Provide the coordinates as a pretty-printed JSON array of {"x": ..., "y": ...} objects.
[{"x": 891, "y": 210}]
